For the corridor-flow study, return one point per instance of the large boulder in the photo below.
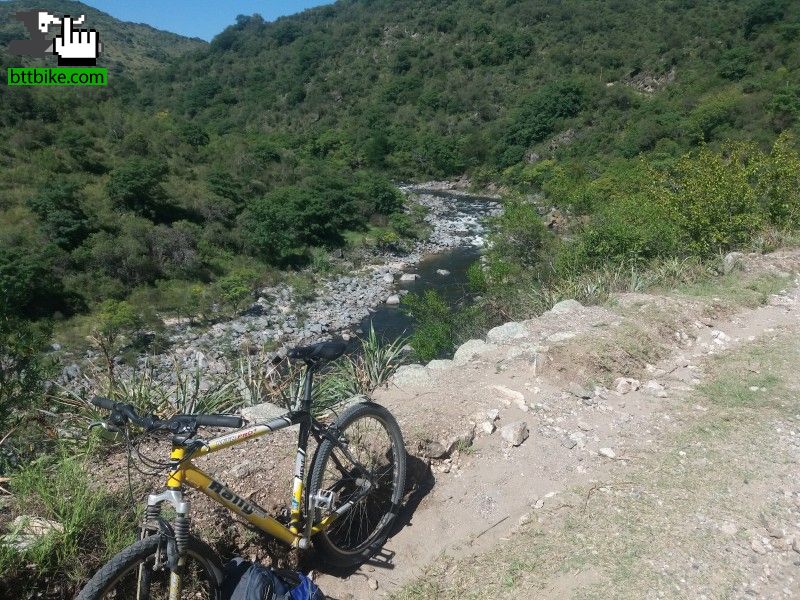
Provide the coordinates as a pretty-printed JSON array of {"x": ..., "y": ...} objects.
[
  {"x": 506, "y": 333},
  {"x": 470, "y": 350},
  {"x": 566, "y": 306},
  {"x": 411, "y": 375},
  {"x": 261, "y": 413}
]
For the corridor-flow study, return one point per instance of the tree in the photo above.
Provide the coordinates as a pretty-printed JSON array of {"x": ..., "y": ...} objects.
[
  {"x": 281, "y": 225},
  {"x": 115, "y": 322},
  {"x": 137, "y": 186},
  {"x": 63, "y": 221},
  {"x": 23, "y": 370}
]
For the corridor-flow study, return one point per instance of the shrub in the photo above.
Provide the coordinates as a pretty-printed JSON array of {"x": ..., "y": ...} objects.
[
  {"x": 23, "y": 370},
  {"x": 778, "y": 184},
  {"x": 439, "y": 327},
  {"x": 137, "y": 186},
  {"x": 714, "y": 204},
  {"x": 235, "y": 289},
  {"x": 518, "y": 236}
]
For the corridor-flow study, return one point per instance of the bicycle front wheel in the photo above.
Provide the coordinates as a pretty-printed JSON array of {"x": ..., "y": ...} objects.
[
  {"x": 132, "y": 574},
  {"x": 368, "y": 469}
]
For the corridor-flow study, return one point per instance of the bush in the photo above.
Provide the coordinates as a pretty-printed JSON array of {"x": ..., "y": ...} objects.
[
  {"x": 439, "y": 327},
  {"x": 518, "y": 236},
  {"x": 632, "y": 226},
  {"x": 778, "y": 184},
  {"x": 137, "y": 186},
  {"x": 235, "y": 289},
  {"x": 714, "y": 203},
  {"x": 283, "y": 224},
  {"x": 23, "y": 369}
]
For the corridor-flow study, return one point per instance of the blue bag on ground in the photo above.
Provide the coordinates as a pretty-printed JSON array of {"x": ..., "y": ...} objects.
[{"x": 245, "y": 580}]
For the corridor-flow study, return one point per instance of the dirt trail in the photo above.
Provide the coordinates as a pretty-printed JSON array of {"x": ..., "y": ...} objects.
[{"x": 591, "y": 446}]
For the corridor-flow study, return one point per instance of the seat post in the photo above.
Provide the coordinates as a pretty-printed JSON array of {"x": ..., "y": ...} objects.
[{"x": 309, "y": 382}]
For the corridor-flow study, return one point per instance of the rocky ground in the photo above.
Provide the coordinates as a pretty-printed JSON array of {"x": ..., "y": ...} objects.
[
  {"x": 648, "y": 448},
  {"x": 645, "y": 449}
]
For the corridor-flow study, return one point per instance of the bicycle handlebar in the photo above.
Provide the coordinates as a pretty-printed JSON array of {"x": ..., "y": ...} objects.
[{"x": 121, "y": 413}]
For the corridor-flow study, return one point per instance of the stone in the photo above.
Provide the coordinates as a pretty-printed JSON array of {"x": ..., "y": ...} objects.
[
  {"x": 261, "y": 413},
  {"x": 607, "y": 452},
  {"x": 408, "y": 277},
  {"x": 569, "y": 443},
  {"x": 757, "y": 547},
  {"x": 442, "y": 272},
  {"x": 515, "y": 433},
  {"x": 731, "y": 261},
  {"x": 440, "y": 365},
  {"x": 26, "y": 530},
  {"x": 470, "y": 350},
  {"x": 655, "y": 389},
  {"x": 433, "y": 450},
  {"x": 579, "y": 391},
  {"x": 624, "y": 385},
  {"x": 393, "y": 300},
  {"x": 488, "y": 427},
  {"x": 506, "y": 333},
  {"x": 584, "y": 426},
  {"x": 243, "y": 469},
  {"x": 387, "y": 278},
  {"x": 493, "y": 414},
  {"x": 372, "y": 583},
  {"x": 509, "y": 396},
  {"x": 411, "y": 375},
  {"x": 561, "y": 336},
  {"x": 566, "y": 306},
  {"x": 462, "y": 440}
]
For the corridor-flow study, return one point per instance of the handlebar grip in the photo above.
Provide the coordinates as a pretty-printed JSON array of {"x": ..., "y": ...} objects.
[
  {"x": 219, "y": 421},
  {"x": 101, "y": 402}
]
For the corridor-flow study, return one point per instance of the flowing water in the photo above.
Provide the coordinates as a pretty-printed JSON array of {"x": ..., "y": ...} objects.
[{"x": 462, "y": 224}]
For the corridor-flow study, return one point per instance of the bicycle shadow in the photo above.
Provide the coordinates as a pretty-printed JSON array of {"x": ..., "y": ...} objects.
[{"x": 420, "y": 482}]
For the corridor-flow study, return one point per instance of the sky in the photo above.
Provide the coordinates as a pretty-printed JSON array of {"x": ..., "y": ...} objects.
[{"x": 198, "y": 18}]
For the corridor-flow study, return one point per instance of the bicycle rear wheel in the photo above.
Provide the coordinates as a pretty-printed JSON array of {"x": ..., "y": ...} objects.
[
  {"x": 373, "y": 439},
  {"x": 119, "y": 577}
]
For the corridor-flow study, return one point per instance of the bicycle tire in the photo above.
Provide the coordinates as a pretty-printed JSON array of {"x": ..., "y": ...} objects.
[
  {"x": 126, "y": 560},
  {"x": 329, "y": 544}
]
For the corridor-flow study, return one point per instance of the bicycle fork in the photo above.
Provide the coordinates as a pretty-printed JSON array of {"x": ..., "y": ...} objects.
[{"x": 175, "y": 539}]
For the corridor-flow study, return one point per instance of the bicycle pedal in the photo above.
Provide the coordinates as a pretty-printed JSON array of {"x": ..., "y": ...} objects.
[{"x": 323, "y": 500}]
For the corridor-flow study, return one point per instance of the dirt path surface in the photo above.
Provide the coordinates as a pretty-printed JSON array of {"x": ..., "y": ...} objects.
[{"x": 661, "y": 458}]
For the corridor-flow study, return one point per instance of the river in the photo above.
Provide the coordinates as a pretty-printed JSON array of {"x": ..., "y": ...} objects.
[{"x": 463, "y": 225}]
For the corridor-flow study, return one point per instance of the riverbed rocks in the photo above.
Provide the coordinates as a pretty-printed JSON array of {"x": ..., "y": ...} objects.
[{"x": 281, "y": 316}]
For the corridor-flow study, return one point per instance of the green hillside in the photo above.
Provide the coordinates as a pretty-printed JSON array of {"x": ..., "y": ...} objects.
[{"x": 201, "y": 162}]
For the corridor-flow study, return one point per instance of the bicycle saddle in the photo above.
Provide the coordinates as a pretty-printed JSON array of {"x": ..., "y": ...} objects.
[{"x": 321, "y": 351}]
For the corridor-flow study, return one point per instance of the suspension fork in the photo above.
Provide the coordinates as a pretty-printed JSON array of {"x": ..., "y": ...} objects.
[{"x": 176, "y": 540}]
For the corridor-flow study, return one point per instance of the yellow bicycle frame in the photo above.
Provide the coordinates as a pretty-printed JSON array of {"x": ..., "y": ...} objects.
[{"x": 185, "y": 472}]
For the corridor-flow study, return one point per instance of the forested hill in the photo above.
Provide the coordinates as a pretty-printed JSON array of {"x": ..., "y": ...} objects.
[
  {"x": 206, "y": 162},
  {"x": 434, "y": 87}
]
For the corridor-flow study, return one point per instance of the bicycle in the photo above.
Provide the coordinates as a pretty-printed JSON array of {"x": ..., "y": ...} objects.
[{"x": 344, "y": 506}]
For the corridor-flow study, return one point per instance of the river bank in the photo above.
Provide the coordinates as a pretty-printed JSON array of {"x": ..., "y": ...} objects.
[{"x": 342, "y": 305}]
